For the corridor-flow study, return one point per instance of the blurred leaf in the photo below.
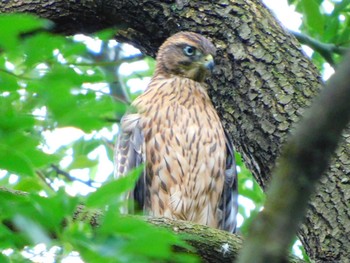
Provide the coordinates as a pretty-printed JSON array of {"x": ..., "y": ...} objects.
[
  {"x": 8, "y": 82},
  {"x": 293, "y": 2},
  {"x": 331, "y": 29},
  {"x": 14, "y": 161},
  {"x": 110, "y": 193},
  {"x": 134, "y": 235},
  {"x": 344, "y": 33},
  {"x": 51, "y": 211},
  {"x": 84, "y": 147},
  {"x": 246, "y": 225},
  {"x": 305, "y": 256},
  {"x": 313, "y": 16},
  {"x": 39, "y": 53},
  {"x": 109, "y": 151},
  {"x": 81, "y": 162},
  {"x": 106, "y": 34},
  {"x": 340, "y": 6},
  {"x": 40, "y": 159},
  {"x": 12, "y": 25},
  {"x": 4, "y": 259},
  {"x": 71, "y": 50},
  {"x": 151, "y": 62},
  {"x": 33, "y": 230},
  {"x": 29, "y": 184}
]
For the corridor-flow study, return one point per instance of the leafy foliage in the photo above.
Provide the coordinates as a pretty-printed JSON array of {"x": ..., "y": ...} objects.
[
  {"x": 49, "y": 83},
  {"x": 327, "y": 21}
]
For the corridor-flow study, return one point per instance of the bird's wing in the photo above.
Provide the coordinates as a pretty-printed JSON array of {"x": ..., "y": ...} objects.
[
  {"x": 130, "y": 153},
  {"x": 229, "y": 203}
]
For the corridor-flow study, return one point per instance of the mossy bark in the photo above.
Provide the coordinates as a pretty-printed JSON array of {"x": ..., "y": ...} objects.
[{"x": 261, "y": 87}]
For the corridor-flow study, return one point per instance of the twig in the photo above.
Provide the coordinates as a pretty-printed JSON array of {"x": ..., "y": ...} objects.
[
  {"x": 108, "y": 143},
  {"x": 117, "y": 63},
  {"x": 45, "y": 180},
  {"x": 14, "y": 75},
  {"x": 72, "y": 178},
  {"x": 121, "y": 100}
]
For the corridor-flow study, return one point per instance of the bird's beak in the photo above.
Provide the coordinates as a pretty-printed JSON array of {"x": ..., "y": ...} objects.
[{"x": 209, "y": 62}]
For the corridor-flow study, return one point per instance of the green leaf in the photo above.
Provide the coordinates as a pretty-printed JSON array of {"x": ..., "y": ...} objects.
[
  {"x": 37, "y": 53},
  {"x": 72, "y": 50},
  {"x": 52, "y": 211},
  {"x": 130, "y": 232},
  {"x": 331, "y": 29},
  {"x": 340, "y": 6},
  {"x": 29, "y": 184},
  {"x": 344, "y": 33},
  {"x": 84, "y": 147},
  {"x": 110, "y": 193},
  {"x": 40, "y": 159},
  {"x": 4, "y": 259},
  {"x": 15, "y": 161},
  {"x": 12, "y": 25},
  {"x": 33, "y": 230},
  {"x": 8, "y": 81},
  {"x": 81, "y": 162},
  {"x": 293, "y": 2},
  {"x": 12, "y": 119},
  {"x": 313, "y": 17},
  {"x": 248, "y": 221},
  {"x": 11, "y": 240},
  {"x": 106, "y": 34}
]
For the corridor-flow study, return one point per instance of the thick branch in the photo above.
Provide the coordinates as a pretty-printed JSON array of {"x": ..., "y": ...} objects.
[{"x": 303, "y": 162}]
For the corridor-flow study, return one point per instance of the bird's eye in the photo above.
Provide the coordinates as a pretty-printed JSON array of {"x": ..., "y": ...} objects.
[{"x": 189, "y": 51}]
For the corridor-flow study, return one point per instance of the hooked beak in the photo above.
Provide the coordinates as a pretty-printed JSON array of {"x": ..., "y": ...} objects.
[{"x": 209, "y": 62}]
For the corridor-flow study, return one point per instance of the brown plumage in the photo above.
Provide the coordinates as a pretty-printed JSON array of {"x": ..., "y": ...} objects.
[{"x": 189, "y": 162}]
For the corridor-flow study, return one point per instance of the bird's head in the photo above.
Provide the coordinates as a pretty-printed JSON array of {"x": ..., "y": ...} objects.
[{"x": 186, "y": 54}]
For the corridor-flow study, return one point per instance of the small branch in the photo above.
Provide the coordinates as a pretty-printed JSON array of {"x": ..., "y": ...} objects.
[
  {"x": 326, "y": 50},
  {"x": 89, "y": 183},
  {"x": 14, "y": 75},
  {"x": 109, "y": 144},
  {"x": 112, "y": 120},
  {"x": 121, "y": 100},
  {"x": 130, "y": 59},
  {"x": 304, "y": 160},
  {"x": 46, "y": 180}
]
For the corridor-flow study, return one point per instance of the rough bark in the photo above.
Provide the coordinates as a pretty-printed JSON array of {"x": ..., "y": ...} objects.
[
  {"x": 304, "y": 159},
  {"x": 261, "y": 87}
]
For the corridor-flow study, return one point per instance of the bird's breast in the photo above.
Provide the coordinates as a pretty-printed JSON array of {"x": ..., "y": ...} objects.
[{"x": 185, "y": 154}]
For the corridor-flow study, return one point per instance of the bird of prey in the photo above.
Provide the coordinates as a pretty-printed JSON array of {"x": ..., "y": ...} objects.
[{"x": 189, "y": 168}]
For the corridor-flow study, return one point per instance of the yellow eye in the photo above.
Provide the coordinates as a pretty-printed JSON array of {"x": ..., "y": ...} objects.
[{"x": 189, "y": 51}]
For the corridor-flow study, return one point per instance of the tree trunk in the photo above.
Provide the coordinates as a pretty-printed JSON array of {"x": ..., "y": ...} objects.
[{"x": 261, "y": 87}]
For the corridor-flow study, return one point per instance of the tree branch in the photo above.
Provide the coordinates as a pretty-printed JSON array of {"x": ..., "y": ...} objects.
[
  {"x": 304, "y": 160},
  {"x": 326, "y": 50},
  {"x": 90, "y": 183}
]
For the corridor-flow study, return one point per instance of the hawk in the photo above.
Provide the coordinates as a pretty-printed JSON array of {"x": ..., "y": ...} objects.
[{"x": 189, "y": 168}]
